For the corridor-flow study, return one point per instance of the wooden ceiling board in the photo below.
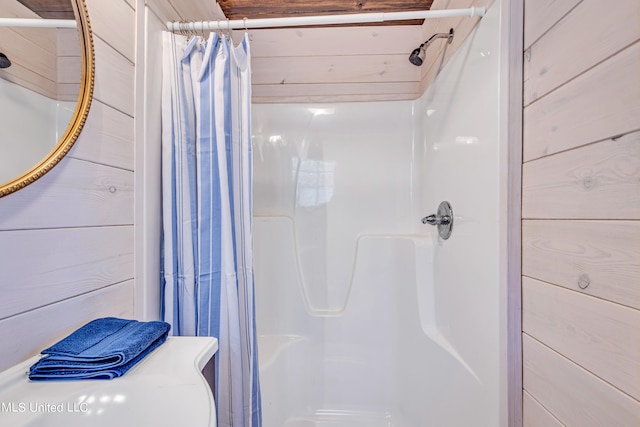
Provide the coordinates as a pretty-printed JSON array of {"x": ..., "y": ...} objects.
[
  {"x": 50, "y": 9},
  {"x": 186, "y": 10},
  {"x": 239, "y": 9},
  {"x": 302, "y": 42}
]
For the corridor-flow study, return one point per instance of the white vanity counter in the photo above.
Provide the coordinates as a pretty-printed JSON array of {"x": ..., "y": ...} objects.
[{"x": 166, "y": 388}]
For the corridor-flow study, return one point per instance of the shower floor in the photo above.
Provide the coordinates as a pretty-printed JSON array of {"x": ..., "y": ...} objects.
[{"x": 329, "y": 418}]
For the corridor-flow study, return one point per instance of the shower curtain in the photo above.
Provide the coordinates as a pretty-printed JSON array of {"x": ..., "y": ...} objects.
[{"x": 208, "y": 286}]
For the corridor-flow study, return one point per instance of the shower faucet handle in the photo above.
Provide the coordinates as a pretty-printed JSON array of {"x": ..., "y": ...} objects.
[
  {"x": 443, "y": 220},
  {"x": 434, "y": 219}
]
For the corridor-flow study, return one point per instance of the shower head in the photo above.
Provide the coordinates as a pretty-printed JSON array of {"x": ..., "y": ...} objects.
[
  {"x": 418, "y": 54},
  {"x": 4, "y": 61}
]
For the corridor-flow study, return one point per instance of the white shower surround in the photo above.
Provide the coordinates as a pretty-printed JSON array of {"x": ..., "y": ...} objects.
[
  {"x": 365, "y": 316},
  {"x": 32, "y": 124}
]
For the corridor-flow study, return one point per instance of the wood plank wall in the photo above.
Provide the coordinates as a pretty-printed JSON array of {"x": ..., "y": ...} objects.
[
  {"x": 338, "y": 64},
  {"x": 44, "y": 60},
  {"x": 348, "y": 64},
  {"x": 66, "y": 241},
  {"x": 581, "y": 213}
]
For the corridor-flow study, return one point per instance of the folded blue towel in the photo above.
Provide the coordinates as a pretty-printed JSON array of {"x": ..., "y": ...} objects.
[{"x": 102, "y": 349}]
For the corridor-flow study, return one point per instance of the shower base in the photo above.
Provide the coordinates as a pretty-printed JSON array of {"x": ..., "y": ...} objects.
[{"x": 333, "y": 418}]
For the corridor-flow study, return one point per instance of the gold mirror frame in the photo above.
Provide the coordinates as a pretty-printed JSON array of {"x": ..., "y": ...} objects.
[{"x": 80, "y": 113}]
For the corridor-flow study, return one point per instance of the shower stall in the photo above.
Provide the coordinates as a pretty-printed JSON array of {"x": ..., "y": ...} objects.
[{"x": 365, "y": 316}]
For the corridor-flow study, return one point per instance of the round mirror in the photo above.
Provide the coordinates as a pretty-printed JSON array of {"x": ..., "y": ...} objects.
[{"x": 46, "y": 84}]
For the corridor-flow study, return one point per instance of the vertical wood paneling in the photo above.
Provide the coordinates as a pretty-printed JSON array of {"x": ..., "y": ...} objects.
[
  {"x": 600, "y": 336},
  {"x": 572, "y": 394},
  {"x": 601, "y": 256},
  {"x": 578, "y": 42},
  {"x": 599, "y": 104},
  {"x": 599, "y": 181},
  {"x": 27, "y": 334}
]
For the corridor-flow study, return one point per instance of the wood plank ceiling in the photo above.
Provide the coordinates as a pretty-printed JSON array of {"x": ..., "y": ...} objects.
[
  {"x": 50, "y": 9},
  {"x": 238, "y": 9}
]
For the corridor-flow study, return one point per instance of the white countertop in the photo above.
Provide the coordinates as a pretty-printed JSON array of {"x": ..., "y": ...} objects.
[{"x": 166, "y": 388}]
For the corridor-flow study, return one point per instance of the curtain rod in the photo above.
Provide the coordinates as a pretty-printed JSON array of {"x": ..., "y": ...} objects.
[
  {"x": 40, "y": 23},
  {"x": 355, "y": 18}
]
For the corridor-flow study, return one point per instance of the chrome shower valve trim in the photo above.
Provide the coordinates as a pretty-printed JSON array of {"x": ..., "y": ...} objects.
[{"x": 443, "y": 219}]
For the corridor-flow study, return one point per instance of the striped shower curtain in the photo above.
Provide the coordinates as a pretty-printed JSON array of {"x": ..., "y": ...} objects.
[{"x": 208, "y": 287}]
